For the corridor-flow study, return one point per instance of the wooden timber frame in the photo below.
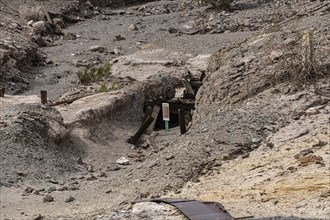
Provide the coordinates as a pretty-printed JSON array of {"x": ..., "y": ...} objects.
[{"x": 182, "y": 107}]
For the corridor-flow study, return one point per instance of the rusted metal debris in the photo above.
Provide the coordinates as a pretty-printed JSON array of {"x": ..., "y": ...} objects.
[{"x": 198, "y": 210}]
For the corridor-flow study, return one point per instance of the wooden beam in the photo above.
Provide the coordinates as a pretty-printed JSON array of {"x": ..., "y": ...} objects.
[
  {"x": 43, "y": 95},
  {"x": 174, "y": 104},
  {"x": 182, "y": 121},
  {"x": 134, "y": 139},
  {"x": 154, "y": 114},
  {"x": 188, "y": 87},
  {"x": 147, "y": 112}
]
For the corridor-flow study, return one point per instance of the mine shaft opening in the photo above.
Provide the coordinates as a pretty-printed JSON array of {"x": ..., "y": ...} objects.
[{"x": 160, "y": 114}]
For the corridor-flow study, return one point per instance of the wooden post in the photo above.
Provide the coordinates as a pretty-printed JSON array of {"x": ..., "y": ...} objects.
[
  {"x": 154, "y": 114},
  {"x": 2, "y": 92},
  {"x": 182, "y": 121},
  {"x": 144, "y": 126},
  {"x": 43, "y": 95},
  {"x": 147, "y": 112}
]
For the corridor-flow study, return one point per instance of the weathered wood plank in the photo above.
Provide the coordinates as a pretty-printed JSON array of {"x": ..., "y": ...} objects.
[
  {"x": 134, "y": 139},
  {"x": 182, "y": 121},
  {"x": 43, "y": 95},
  {"x": 154, "y": 114}
]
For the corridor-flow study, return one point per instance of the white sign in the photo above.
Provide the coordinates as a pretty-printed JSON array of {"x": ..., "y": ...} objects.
[{"x": 166, "y": 111}]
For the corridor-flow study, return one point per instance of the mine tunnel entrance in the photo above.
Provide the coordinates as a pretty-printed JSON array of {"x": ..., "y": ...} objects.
[{"x": 166, "y": 114}]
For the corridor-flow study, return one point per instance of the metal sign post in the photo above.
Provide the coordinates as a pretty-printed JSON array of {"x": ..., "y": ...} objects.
[{"x": 166, "y": 114}]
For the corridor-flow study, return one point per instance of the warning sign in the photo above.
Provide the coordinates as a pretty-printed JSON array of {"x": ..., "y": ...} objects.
[{"x": 166, "y": 111}]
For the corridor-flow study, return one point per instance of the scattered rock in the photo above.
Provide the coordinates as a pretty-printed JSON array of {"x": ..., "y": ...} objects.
[
  {"x": 173, "y": 30},
  {"x": 312, "y": 111},
  {"x": 90, "y": 168},
  {"x": 113, "y": 167},
  {"x": 310, "y": 159},
  {"x": 40, "y": 27},
  {"x": 21, "y": 173},
  {"x": 119, "y": 38},
  {"x": 48, "y": 198},
  {"x": 91, "y": 177},
  {"x": 53, "y": 181},
  {"x": 320, "y": 143},
  {"x": 59, "y": 22},
  {"x": 30, "y": 23},
  {"x": 80, "y": 161},
  {"x": 123, "y": 161},
  {"x": 27, "y": 191},
  {"x": 132, "y": 27},
  {"x": 97, "y": 48},
  {"x": 69, "y": 199},
  {"x": 39, "y": 217}
]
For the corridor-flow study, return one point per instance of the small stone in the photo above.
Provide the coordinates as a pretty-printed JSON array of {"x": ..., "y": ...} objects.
[
  {"x": 275, "y": 55},
  {"x": 169, "y": 157},
  {"x": 320, "y": 143},
  {"x": 97, "y": 48},
  {"x": 132, "y": 27},
  {"x": 48, "y": 198},
  {"x": 113, "y": 167},
  {"x": 30, "y": 23},
  {"x": 28, "y": 190},
  {"x": 91, "y": 177},
  {"x": 173, "y": 30},
  {"x": 80, "y": 161},
  {"x": 59, "y": 22},
  {"x": 123, "y": 161},
  {"x": 116, "y": 50},
  {"x": 21, "y": 173},
  {"x": 102, "y": 174},
  {"x": 119, "y": 38},
  {"x": 69, "y": 199},
  {"x": 90, "y": 168},
  {"x": 51, "y": 189},
  {"x": 312, "y": 111},
  {"x": 39, "y": 217},
  {"x": 256, "y": 140},
  {"x": 40, "y": 27},
  {"x": 53, "y": 181}
]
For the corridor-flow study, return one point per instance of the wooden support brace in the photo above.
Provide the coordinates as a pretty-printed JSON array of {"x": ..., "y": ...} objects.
[
  {"x": 182, "y": 121},
  {"x": 43, "y": 95},
  {"x": 154, "y": 114},
  {"x": 144, "y": 126},
  {"x": 147, "y": 112}
]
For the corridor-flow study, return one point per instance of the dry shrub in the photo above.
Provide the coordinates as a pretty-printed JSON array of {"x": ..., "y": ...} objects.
[
  {"x": 300, "y": 65},
  {"x": 34, "y": 13}
]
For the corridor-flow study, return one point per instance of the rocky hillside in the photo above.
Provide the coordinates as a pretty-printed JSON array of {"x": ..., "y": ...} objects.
[{"x": 259, "y": 138}]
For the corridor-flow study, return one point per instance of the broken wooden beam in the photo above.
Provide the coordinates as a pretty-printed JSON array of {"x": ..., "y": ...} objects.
[
  {"x": 43, "y": 95},
  {"x": 182, "y": 121},
  {"x": 147, "y": 112},
  {"x": 196, "y": 84},
  {"x": 134, "y": 139},
  {"x": 154, "y": 114}
]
